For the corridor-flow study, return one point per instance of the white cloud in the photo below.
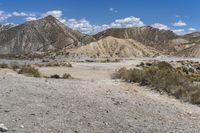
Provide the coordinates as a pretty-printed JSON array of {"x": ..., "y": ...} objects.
[
  {"x": 31, "y": 18},
  {"x": 192, "y": 29},
  {"x": 179, "y": 23},
  {"x": 56, "y": 13},
  {"x": 160, "y": 26},
  {"x": 82, "y": 25},
  {"x": 113, "y": 10},
  {"x": 86, "y": 27},
  {"x": 179, "y": 31},
  {"x": 127, "y": 22},
  {"x": 23, "y": 14}
]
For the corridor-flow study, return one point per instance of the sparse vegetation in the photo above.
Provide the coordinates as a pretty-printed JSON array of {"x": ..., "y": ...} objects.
[
  {"x": 55, "y": 76},
  {"x": 30, "y": 71},
  {"x": 164, "y": 78},
  {"x": 54, "y": 64},
  {"x": 66, "y": 76},
  {"x": 3, "y": 65}
]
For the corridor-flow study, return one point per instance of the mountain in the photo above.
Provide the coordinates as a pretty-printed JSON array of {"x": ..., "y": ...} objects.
[
  {"x": 193, "y": 45},
  {"x": 192, "y": 37},
  {"x": 146, "y": 35},
  {"x": 40, "y": 35},
  {"x": 5, "y": 27},
  {"x": 114, "y": 47},
  {"x": 193, "y": 51}
]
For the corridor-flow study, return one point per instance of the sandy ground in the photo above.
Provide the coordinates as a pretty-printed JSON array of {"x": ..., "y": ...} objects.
[{"x": 90, "y": 103}]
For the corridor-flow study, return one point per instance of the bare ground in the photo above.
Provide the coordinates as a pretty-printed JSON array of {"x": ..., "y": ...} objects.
[{"x": 90, "y": 103}]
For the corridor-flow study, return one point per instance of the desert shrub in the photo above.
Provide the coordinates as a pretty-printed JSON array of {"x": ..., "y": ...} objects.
[
  {"x": 55, "y": 76},
  {"x": 148, "y": 64},
  {"x": 164, "y": 78},
  {"x": 142, "y": 64},
  {"x": 66, "y": 76},
  {"x": 164, "y": 65},
  {"x": 195, "y": 95},
  {"x": 120, "y": 74},
  {"x": 4, "y": 65},
  {"x": 15, "y": 66},
  {"x": 30, "y": 71},
  {"x": 134, "y": 75},
  {"x": 191, "y": 70},
  {"x": 56, "y": 64}
]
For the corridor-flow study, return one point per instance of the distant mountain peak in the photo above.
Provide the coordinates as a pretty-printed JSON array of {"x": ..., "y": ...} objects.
[
  {"x": 40, "y": 35},
  {"x": 50, "y": 17}
]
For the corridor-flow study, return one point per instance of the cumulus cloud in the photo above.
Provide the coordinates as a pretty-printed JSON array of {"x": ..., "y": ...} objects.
[
  {"x": 179, "y": 23},
  {"x": 56, "y": 13},
  {"x": 31, "y": 18},
  {"x": 160, "y": 26},
  {"x": 192, "y": 29},
  {"x": 23, "y": 14},
  {"x": 86, "y": 27},
  {"x": 82, "y": 25},
  {"x": 179, "y": 31},
  {"x": 127, "y": 22}
]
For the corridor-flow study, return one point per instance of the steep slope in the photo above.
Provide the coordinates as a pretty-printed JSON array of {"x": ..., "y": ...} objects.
[
  {"x": 146, "y": 35},
  {"x": 5, "y": 27},
  {"x": 178, "y": 44},
  {"x": 193, "y": 45},
  {"x": 193, "y": 51},
  {"x": 40, "y": 35},
  {"x": 114, "y": 47}
]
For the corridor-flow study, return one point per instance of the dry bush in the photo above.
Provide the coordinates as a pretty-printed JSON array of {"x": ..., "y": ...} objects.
[
  {"x": 57, "y": 64},
  {"x": 30, "y": 71},
  {"x": 163, "y": 78},
  {"x": 4, "y": 65},
  {"x": 15, "y": 66},
  {"x": 66, "y": 76},
  {"x": 55, "y": 76}
]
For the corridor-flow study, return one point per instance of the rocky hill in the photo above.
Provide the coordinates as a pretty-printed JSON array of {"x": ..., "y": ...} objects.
[
  {"x": 146, "y": 35},
  {"x": 192, "y": 51},
  {"x": 114, "y": 47},
  {"x": 49, "y": 34},
  {"x": 192, "y": 37},
  {"x": 40, "y": 35},
  {"x": 193, "y": 46},
  {"x": 5, "y": 27}
]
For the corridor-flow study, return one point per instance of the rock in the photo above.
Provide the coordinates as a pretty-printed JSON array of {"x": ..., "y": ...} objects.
[{"x": 3, "y": 128}]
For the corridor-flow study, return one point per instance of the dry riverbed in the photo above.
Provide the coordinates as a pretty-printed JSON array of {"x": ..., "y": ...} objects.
[{"x": 90, "y": 103}]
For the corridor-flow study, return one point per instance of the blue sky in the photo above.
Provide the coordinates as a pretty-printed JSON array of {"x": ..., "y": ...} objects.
[{"x": 91, "y": 16}]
